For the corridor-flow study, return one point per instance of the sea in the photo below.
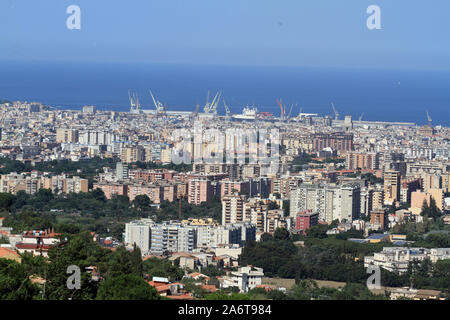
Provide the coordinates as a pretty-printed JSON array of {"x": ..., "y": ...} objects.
[{"x": 373, "y": 94}]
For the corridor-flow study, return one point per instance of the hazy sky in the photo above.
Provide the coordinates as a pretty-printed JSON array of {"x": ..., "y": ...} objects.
[{"x": 415, "y": 33}]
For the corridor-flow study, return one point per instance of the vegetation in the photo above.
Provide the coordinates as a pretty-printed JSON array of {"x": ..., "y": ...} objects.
[
  {"x": 331, "y": 258},
  {"x": 155, "y": 267},
  {"x": 121, "y": 273},
  {"x": 91, "y": 211}
]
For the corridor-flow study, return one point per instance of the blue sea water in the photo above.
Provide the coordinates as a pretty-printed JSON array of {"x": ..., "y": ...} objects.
[{"x": 385, "y": 95}]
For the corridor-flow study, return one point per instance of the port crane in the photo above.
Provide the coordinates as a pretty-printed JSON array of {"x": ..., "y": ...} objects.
[
  {"x": 336, "y": 114},
  {"x": 283, "y": 111},
  {"x": 300, "y": 116},
  {"x": 196, "y": 110},
  {"x": 361, "y": 116},
  {"x": 212, "y": 107},
  {"x": 160, "y": 108},
  {"x": 290, "y": 111},
  {"x": 227, "y": 110},
  {"x": 135, "y": 105}
]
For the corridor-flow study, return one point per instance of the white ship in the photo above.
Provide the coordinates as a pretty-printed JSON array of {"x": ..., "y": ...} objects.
[{"x": 248, "y": 113}]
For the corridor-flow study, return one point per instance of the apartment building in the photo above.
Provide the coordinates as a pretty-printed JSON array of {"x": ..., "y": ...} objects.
[
  {"x": 362, "y": 160},
  {"x": 199, "y": 190},
  {"x": 138, "y": 232},
  {"x": 396, "y": 259},
  {"x": 330, "y": 202},
  {"x": 131, "y": 154},
  {"x": 391, "y": 187},
  {"x": 66, "y": 135},
  {"x": 247, "y": 278}
]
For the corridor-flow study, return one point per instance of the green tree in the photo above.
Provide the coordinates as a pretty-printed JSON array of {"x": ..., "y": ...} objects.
[
  {"x": 142, "y": 202},
  {"x": 281, "y": 234},
  {"x": 6, "y": 200},
  {"x": 15, "y": 283},
  {"x": 126, "y": 287}
]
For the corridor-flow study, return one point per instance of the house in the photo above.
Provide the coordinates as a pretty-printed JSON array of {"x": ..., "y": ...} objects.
[
  {"x": 198, "y": 276},
  {"x": 170, "y": 290},
  {"x": 247, "y": 278},
  {"x": 414, "y": 294},
  {"x": 38, "y": 242},
  {"x": 6, "y": 253},
  {"x": 210, "y": 288}
]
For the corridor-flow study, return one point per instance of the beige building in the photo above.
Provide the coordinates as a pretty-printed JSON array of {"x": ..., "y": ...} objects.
[
  {"x": 66, "y": 135},
  {"x": 418, "y": 197},
  {"x": 199, "y": 190},
  {"x": 391, "y": 187},
  {"x": 132, "y": 154}
]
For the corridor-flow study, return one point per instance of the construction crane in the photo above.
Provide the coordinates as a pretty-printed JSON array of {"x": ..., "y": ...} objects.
[
  {"x": 429, "y": 119},
  {"x": 135, "y": 106},
  {"x": 196, "y": 110},
  {"x": 212, "y": 107},
  {"x": 336, "y": 114},
  {"x": 300, "y": 116},
  {"x": 227, "y": 110},
  {"x": 283, "y": 111},
  {"x": 216, "y": 101},
  {"x": 361, "y": 116},
  {"x": 160, "y": 108},
  {"x": 290, "y": 111}
]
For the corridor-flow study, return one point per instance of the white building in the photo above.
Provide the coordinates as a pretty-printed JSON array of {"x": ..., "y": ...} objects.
[
  {"x": 138, "y": 232},
  {"x": 247, "y": 278},
  {"x": 331, "y": 202},
  {"x": 396, "y": 259}
]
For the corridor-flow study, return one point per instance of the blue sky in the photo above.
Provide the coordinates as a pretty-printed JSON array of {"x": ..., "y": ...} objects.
[{"x": 312, "y": 33}]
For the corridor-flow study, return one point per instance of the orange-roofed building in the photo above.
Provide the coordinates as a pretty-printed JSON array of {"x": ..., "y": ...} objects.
[
  {"x": 186, "y": 296},
  {"x": 38, "y": 242},
  {"x": 210, "y": 288},
  {"x": 9, "y": 254},
  {"x": 198, "y": 276},
  {"x": 267, "y": 287}
]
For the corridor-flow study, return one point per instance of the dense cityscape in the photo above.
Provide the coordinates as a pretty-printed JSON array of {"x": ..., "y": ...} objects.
[
  {"x": 224, "y": 159},
  {"x": 104, "y": 191}
]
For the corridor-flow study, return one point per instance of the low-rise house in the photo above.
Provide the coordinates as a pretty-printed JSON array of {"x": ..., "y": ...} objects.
[
  {"x": 414, "y": 294},
  {"x": 38, "y": 242},
  {"x": 247, "y": 278},
  {"x": 396, "y": 259},
  {"x": 6, "y": 253}
]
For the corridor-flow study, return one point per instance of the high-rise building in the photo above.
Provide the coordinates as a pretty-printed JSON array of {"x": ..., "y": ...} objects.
[
  {"x": 305, "y": 220},
  {"x": 66, "y": 136},
  {"x": 361, "y": 160},
  {"x": 121, "y": 171},
  {"x": 199, "y": 190},
  {"x": 391, "y": 187},
  {"x": 330, "y": 202},
  {"x": 131, "y": 154},
  {"x": 379, "y": 217},
  {"x": 233, "y": 209},
  {"x": 336, "y": 141},
  {"x": 138, "y": 232}
]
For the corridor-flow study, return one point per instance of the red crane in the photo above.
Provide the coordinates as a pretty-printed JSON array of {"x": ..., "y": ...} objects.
[{"x": 283, "y": 112}]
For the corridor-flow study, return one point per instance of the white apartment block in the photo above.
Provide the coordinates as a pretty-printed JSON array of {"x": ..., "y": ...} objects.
[
  {"x": 396, "y": 259},
  {"x": 331, "y": 202},
  {"x": 247, "y": 278}
]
